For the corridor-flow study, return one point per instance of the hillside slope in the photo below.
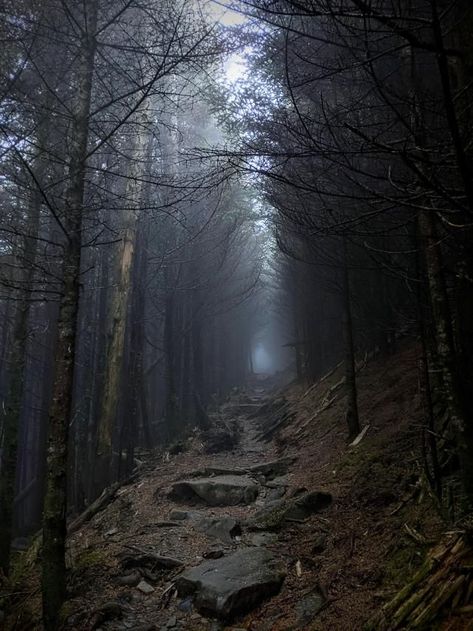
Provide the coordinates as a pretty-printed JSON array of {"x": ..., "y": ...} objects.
[{"x": 342, "y": 559}]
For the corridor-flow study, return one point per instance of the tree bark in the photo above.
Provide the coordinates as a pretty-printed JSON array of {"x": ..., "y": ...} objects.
[
  {"x": 55, "y": 501},
  {"x": 119, "y": 307},
  {"x": 445, "y": 348},
  {"x": 352, "y": 418}
]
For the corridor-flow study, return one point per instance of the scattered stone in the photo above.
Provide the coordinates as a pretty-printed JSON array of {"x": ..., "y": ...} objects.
[
  {"x": 131, "y": 579},
  {"x": 218, "y": 491},
  {"x": 145, "y": 587},
  {"x": 112, "y": 531},
  {"x": 308, "y": 607},
  {"x": 185, "y": 605},
  {"x": 171, "y": 622},
  {"x": 233, "y": 584},
  {"x": 223, "y": 528}
]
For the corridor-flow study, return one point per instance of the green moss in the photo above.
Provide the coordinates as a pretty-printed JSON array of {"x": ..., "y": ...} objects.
[
  {"x": 89, "y": 558},
  {"x": 23, "y": 561},
  {"x": 403, "y": 561}
]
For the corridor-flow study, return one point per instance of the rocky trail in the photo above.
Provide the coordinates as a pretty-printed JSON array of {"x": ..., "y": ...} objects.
[{"x": 194, "y": 544}]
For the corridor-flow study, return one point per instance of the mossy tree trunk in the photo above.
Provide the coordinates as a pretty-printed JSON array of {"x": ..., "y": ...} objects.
[{"x": 55, "y": 501}]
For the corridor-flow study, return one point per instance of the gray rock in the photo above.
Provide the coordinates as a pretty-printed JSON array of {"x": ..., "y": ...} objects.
[
  {"x": 233, "y": 584},
  {"x": 225, "y": 490},
  {"x": 185, "y": 605},
  {"x": 278, "y": 483},
  {"x": 262, "y": 538},
  {"x": 223, "y": 528},
  {"x": 276, "y": 494},
  {"x": 277, "y": 513},
  {"x": 131, "y": 579},
  {"x": 145, "y": 588},
  {"x": 171, "y": 622},
  {"x": 308, "y": 607},
  {"x": 273, "y": 469},
  {"x": 179, "y": 515},
  {"x": 211, "y": 471}
]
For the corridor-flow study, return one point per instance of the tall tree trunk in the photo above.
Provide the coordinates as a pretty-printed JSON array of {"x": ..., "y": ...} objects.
[
  {"x": 352, "y": 418},
  {"x": 170, "y": 411},
  {"x": 446, "y": 359},
  {"x": 119, "y": 306},
  {"x": 55, "y": 501}
]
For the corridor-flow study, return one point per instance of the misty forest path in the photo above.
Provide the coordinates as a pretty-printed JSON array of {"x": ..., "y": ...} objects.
[{"x": 183, "y": 547}]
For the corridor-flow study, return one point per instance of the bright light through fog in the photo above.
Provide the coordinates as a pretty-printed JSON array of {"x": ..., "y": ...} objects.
[
  {"x": 235, "y": 67},
  {"x": 261, "y": 360}
]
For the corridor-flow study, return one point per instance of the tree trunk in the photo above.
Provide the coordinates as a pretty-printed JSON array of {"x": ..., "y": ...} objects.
[
  {"x": 445, "y": 347},
  {"x": 55, "y": 501},
  {"x": 119, "y": 307},
  {"x": 350, "y": 373}
]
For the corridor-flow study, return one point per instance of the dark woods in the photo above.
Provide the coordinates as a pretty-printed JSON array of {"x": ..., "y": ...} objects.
[
  {"x": 136, "y": 271},
  {"x": 366, "y": 162}
]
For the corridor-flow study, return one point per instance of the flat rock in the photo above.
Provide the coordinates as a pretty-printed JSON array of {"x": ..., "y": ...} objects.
[
  {"x": 234, "y": 584},
  {"x": 211, "y": 471},
  {"x": 225, "y": 490},
  {"x": 145, "y": 587},
  {"x": 274, "y": 468},
  {"x": 180, "y": 515},
  {"x": 308, "y": 607},
  {"x": 224, "y": 528},
  {"x": 277, "y": 513},
  {"x": 262, "y": 538}
]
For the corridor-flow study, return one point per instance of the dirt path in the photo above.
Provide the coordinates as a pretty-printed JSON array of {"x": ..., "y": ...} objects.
[{"x": 133, "y": 552}]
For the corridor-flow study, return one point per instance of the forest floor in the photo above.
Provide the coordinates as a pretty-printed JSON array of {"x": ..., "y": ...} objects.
[{"x": 342, "y": 563}]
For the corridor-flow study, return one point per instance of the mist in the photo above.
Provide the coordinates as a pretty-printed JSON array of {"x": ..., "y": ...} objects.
[{"x": 216, "y": 219}]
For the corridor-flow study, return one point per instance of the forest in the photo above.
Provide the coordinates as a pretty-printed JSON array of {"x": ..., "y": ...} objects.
[{"x": 236, "y": 315}]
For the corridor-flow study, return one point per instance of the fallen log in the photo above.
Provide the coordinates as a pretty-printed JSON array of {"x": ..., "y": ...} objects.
[{"x": 442, "y": 585}]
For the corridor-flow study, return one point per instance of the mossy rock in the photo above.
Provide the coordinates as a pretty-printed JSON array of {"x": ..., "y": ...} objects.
[
  {"x": 90, "y": 557},
  {"x": 275, "y": 516}
]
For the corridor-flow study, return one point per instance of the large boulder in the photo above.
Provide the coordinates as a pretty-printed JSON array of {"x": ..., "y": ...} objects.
[
  {"x": 233, "y": 584},
  {"x": 224, "y": 490}
]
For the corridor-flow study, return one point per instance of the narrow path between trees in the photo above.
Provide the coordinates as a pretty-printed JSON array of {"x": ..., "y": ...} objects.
[{"x": 193, "y": 544}]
